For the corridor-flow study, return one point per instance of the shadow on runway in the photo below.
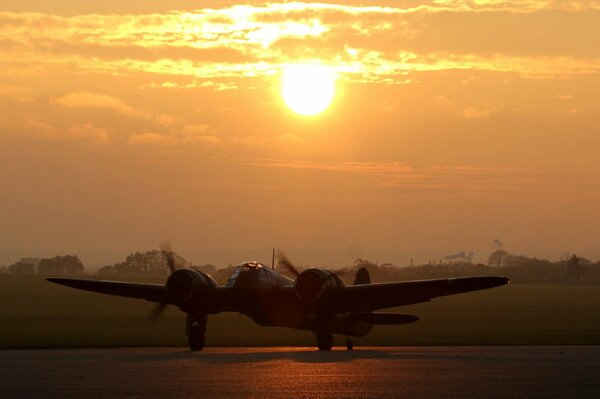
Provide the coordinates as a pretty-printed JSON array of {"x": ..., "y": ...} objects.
[
  {"x": 245, "y": 355},
  {"x": 256, "y": 355}
]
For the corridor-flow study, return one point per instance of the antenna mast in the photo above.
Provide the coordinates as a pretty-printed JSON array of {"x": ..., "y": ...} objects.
[{"x": 273, "y": 260}]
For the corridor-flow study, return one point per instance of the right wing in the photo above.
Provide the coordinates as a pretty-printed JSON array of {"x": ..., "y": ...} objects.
[
  {"x": 149, "y": 292},
  {"x": 369, "y": 297}
]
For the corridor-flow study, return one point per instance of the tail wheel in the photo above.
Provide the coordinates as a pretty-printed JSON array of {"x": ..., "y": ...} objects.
[
  {"x": 349, "y": 344},
  {"x": 196, "y": 338}
]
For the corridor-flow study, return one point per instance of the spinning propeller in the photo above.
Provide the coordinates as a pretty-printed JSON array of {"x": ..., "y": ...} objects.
[
  {"x": 167, "y": 252},
  {"x": 283, "y": 260},
  {"x": 312, "y": 283}
]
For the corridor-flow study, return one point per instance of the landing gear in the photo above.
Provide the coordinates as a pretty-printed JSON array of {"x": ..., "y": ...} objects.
[
  {"x": 324, "y": 341},
  {"x": 349, "y": 344},
  {"x": 196, "y": 332},
  {"x": 324, "y": 332},
  {"x": 196, "y": 338}
]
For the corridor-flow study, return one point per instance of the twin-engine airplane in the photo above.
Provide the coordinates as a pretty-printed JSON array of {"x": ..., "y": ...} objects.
[{"x": 317, "y": 300}]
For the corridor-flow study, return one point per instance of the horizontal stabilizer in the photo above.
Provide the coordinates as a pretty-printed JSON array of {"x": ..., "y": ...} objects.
[{"x": 385, "y": 318}]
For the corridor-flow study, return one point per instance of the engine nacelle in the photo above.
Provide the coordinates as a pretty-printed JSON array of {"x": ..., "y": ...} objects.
[
  {"x": 185, "y": 286},
  {"x": 312, "y": 283}
]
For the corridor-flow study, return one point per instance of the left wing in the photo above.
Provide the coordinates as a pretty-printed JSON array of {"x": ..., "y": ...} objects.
[
  {"x": 369, "y": 297},
  {"x": 149, "y": 292}
]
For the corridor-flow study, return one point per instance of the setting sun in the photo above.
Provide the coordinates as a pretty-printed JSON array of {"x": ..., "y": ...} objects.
[{"x": 308, "y": 89}]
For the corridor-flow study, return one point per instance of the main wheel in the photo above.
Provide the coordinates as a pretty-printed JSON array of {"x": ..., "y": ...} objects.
[
  {"x": 196, "y": 338},
  {"x": 324, "y": 342}
]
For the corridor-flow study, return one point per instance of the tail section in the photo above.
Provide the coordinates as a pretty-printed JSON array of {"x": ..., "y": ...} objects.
[{"x": 362, "y": 277}]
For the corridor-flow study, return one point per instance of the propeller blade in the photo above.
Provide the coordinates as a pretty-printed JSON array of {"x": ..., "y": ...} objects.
[
  {"x": 169, "y": 255},
  {"x": 167, "y": 252},
  {"x": 157, "y": 311},
  {"x": 283, "y": 260}
]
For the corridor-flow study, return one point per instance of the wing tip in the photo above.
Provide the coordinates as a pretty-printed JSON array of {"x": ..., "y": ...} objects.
[{"x": 497, "y": 281}]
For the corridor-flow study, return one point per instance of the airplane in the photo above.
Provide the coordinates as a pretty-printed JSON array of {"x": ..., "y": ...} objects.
[{"x": 318, "y": 300}]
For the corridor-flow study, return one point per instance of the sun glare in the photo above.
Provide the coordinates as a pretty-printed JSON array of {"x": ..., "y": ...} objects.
[{"x": 308, "y": 89}]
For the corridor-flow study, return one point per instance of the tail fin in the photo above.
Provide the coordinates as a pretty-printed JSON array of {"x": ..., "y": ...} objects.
[{"x": 362, "y": 277}]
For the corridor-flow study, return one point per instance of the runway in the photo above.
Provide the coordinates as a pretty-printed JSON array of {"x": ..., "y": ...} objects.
[{"x": 287, "y": 372}]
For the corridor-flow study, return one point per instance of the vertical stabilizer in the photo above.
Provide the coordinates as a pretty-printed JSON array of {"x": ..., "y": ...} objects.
[{"x": 362, "y": 277}]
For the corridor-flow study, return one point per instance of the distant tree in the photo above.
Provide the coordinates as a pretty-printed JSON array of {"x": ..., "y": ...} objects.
[
  {"x": 106, "y": 270},
  {"x": 3, "y": 269},
  {"x": 61, "y": 265},
  {"x": 151, "y": 263},
  {"x": 32, "y": 260},
  {"x": 575, "y": 267},
  {"x": 498, "y": 258},
  {"x": 21, "y": 267},
  {"x": 24, "y": 265}
]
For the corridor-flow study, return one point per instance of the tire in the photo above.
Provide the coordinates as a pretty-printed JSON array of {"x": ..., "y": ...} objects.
[
  {"x": 349, "y": 345},
  {"x": 324, "y": 342},
  {"x": 196, "y": 338}
]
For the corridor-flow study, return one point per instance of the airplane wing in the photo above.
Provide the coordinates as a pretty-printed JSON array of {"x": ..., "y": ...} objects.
[
  {"x": 149, "y": 292},
  {"x": 369, "y": 297}
]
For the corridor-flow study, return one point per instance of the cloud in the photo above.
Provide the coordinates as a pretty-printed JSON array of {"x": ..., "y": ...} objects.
[
  {"x": 150, "y": 139},
  {"x": 87, "y": 100},
  {"x": 83, "y": 99},
  {"x": 472, "y": 181},
  {"x": 16, "y": 93},
  {"x": 465, "y": 255},
  {"x": 191, "y": 134},
  {"x": 366, "y": 44},
  {"x": 564, "y": 96},
  {"x": 88, "y": 131},
  {"x": 475, "y": 113},
  {"x": 35, "y": 126},
  {"x": 143, "y": 129},
  {"x": 194, "y": 84}
]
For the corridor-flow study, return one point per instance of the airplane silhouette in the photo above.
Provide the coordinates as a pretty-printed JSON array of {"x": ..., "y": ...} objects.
[{"x": 318, "y": 300}]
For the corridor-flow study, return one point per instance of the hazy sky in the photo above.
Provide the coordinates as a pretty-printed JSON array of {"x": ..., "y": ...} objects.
[{"x": 454, "y": 123}]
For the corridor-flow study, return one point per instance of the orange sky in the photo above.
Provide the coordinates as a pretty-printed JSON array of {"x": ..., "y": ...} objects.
[{"x": 455, "y": 123}]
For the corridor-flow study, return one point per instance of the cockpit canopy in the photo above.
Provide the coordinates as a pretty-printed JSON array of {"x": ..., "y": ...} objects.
[
  {"x": 252, "y": 264},
  {"x": 255, "y": 275}
]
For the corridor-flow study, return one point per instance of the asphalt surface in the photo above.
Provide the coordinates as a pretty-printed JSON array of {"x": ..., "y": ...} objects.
[{"x": 286, "y": 372}]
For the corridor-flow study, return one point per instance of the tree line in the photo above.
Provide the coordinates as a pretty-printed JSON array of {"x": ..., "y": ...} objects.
[
  {"x": 58, "y": 265},
  {"x": 519, "y": 268}
]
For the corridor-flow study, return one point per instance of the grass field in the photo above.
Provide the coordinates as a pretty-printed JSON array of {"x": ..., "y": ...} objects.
[{"x": 35, "y": 313}]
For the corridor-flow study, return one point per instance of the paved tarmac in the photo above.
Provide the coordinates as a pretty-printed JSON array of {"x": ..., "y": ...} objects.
[{"x": 286, "y": 372}]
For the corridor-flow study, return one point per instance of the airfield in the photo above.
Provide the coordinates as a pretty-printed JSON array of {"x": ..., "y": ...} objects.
[
  {"x": 291, "y": 372},
  {"x": 38, "y": 314},
  {"x": 522, "y": 340}
]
